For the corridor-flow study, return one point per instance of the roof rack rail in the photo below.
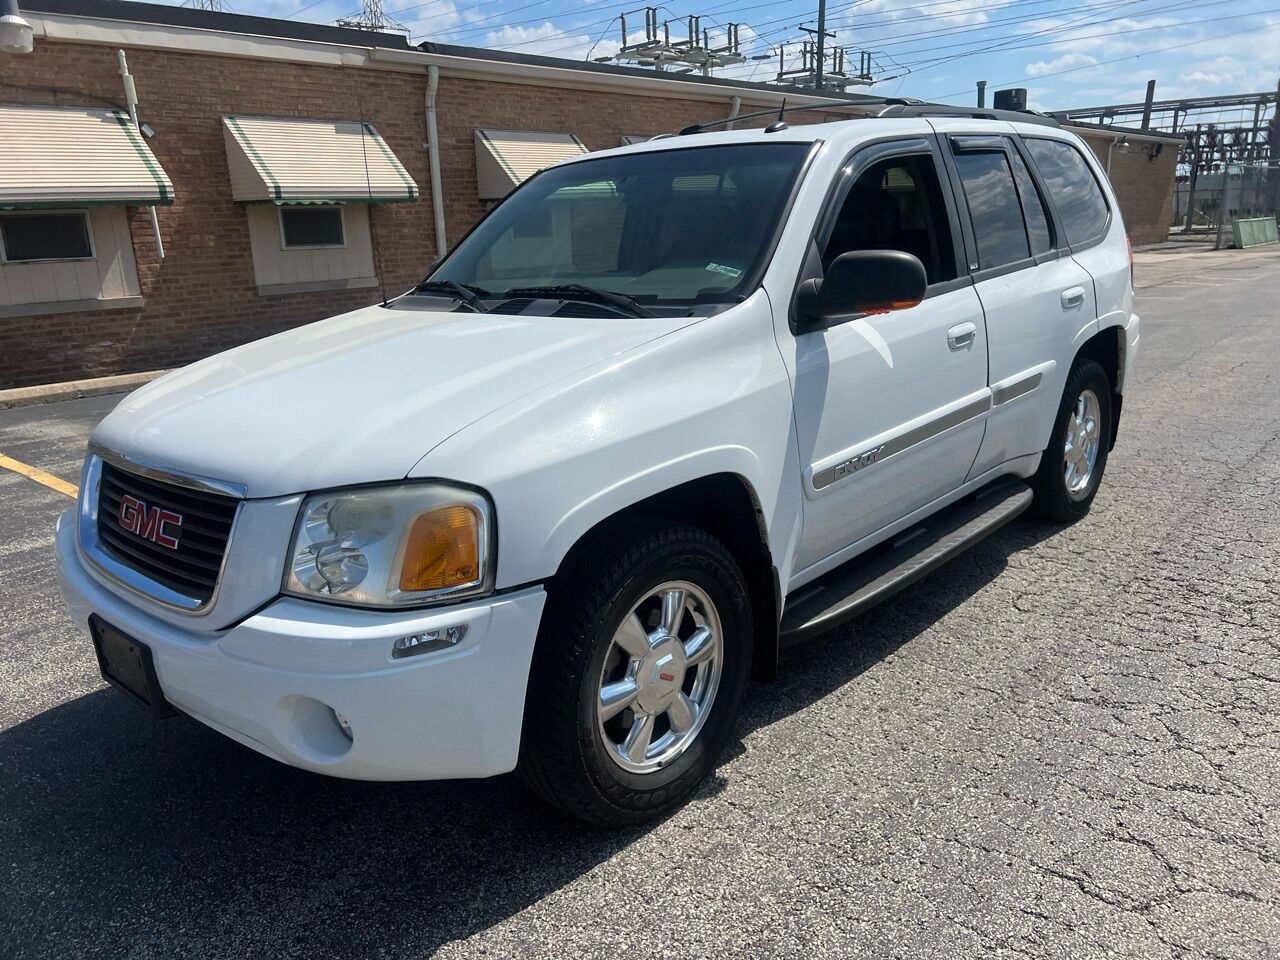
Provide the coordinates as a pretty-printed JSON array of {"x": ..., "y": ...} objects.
[
  {"x": 781, "y": 112},
  {"x": 977, "y": 113}
]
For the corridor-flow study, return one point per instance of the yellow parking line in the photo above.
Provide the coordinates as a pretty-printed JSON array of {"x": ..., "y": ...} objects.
[{"x": 39, "y": 476}]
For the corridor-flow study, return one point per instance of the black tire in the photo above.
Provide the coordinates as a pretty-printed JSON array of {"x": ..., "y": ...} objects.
[
  {"x": 563, "y": 757},
  {"x": 1053, "y": 500}
]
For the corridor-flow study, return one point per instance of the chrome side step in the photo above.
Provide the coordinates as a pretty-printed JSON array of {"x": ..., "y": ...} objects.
[{"x": 864, "y": 581}]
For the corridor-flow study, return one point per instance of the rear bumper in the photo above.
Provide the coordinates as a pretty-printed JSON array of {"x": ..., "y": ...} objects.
[
  {"x": 1132, "y": 336},
  {"x": 274, "y": 680}
]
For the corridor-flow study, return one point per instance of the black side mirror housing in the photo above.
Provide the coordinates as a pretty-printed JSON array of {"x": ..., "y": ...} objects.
[{"x": 860, "y": 282}]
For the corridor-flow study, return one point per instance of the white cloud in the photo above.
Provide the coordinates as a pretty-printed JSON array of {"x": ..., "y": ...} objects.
[
  {"x": 1067, "y": 61},
  {"x": 945, "y": 12},
  {"x": 546, "y": 39}
]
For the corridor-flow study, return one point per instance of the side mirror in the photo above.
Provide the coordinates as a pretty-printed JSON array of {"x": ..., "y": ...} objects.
[{"x": 858, "y": 282}]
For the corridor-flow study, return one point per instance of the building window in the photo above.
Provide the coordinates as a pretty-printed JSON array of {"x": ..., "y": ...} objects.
[
  {"x": 311, "y": 227},
  {"x": 30, "y": 237}
]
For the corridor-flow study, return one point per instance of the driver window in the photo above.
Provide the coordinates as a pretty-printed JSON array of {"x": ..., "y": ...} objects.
[{"x": 897, "y": 204}]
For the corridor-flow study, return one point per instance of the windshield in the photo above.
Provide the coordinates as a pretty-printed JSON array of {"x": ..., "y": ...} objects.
[{"x": 688, "y": 225}]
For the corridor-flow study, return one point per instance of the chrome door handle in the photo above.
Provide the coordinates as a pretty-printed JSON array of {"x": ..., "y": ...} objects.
[
  {"x": 961, "y": 335},
  {"x": 1072, "y": 296}
]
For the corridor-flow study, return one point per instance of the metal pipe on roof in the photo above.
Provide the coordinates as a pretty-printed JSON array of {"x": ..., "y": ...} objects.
[
  {"x": 433, "y": 159},
  {"x": 735, "y": 105},
  {"x": 15, "y": 32},
  {"x": 131, "y": 98}
]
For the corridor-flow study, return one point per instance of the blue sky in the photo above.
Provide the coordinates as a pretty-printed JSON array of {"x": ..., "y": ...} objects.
[{"x": 1068, "y": 53}]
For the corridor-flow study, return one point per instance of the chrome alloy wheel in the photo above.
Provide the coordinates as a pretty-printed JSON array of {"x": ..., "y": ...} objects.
[
  {"x": 1081, "y": 448},
  {"x": 660, "y": 677}
]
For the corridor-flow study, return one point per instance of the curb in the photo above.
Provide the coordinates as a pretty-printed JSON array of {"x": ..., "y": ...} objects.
[{"x": 75, "y": 389}]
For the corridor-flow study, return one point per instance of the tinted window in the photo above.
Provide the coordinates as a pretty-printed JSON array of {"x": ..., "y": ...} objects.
[
  {"x": 312, "y": 226},
  {"x": 1081, "y": 206},
  {"x": 993, "y": 208},
  {"x": 1032, "y": 207},
  {"x": 675, "y": 225},
  {"x": 897, "y": 204},
  {"x": 45, "y": 236}
]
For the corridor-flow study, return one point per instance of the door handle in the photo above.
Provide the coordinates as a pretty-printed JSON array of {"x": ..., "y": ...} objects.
[
  {"x": 961, "y": 335},
  {"x": 1072, "y": 297}
]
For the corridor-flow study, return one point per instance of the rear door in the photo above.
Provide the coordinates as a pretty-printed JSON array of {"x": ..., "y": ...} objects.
[
  {"x": 1090, "y": 222},
  {"x": 1037, "y": 300}
]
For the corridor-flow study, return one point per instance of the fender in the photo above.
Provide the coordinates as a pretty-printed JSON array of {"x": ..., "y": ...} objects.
[{"x": 578, "y": 451}]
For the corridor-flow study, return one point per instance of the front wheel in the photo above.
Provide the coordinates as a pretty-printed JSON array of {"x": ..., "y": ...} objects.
[
  {"x": 638, "y": 675},
  {"x": 1072, "y": 465}
]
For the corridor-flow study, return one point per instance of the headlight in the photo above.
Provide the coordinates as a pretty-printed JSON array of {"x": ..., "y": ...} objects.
[{"x": 392, "y": 545}]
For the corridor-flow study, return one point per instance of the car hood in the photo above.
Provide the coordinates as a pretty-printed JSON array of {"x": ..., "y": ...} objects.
[{"x": 355, "y": 399}]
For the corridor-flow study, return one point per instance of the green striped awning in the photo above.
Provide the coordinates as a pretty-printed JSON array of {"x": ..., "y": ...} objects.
[
  {"x": 76, "y": 156},
  {"x": 291, "y": 160},
  {"x": 507, "y": 158}
]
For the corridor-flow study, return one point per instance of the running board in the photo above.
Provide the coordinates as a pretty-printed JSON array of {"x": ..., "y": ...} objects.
[{"x": 865, "y": 581}]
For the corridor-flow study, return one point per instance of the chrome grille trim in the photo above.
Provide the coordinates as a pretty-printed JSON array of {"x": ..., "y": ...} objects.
[{"x": 98, "y": 553}]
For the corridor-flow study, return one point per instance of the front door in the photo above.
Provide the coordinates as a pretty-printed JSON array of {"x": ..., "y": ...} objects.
[{"x": 890, "y": 408}]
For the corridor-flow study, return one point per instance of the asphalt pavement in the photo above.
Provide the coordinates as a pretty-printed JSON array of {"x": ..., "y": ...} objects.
[{"x": 1064, "y": 744}]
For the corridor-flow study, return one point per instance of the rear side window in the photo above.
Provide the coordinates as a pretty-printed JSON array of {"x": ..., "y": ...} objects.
[
  {"x": 1032, "y": 206},
  {"x": 993, "y": 208},
  {"x": 1081, "y": 206}
]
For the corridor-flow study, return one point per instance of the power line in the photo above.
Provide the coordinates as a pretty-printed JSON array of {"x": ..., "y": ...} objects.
[
  {"x": 1132, "y": 56},
  {"x": 1094, "y": 36}
]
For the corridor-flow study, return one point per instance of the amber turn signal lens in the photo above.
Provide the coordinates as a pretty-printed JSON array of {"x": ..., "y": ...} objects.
[{"x": 443, "y": 550}]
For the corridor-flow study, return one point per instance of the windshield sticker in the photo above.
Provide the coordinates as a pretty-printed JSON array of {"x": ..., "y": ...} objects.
[{"x": 727, "y": 271}]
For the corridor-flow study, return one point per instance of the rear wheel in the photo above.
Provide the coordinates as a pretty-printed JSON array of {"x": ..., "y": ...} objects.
[
  {"x": 641, "y": 664},
  {"x": 1073, "y": 463}
]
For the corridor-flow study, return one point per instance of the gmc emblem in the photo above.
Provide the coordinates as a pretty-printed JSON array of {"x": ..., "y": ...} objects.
[{"x": 151, "y": 523}]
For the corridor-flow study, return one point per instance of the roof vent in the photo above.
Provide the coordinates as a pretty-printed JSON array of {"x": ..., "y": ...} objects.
[
  {"x": 1015, "y": 99},
  {"x": 15, "y": 33}
]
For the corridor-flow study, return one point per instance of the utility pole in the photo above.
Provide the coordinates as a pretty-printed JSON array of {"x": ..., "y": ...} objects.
[
  {"x": 1146, "y": 107},
  {"x": 822, "y": 42},
  {"x": 982, "y": 93}
]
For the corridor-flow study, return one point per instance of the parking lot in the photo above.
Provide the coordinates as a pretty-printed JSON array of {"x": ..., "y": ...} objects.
[{"x": 1065, "y": 744}]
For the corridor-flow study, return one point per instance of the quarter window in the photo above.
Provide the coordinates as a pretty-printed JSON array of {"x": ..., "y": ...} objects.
[
  {"x": 993, "y": 208},
  {"x": 1079, "y": 200},
  {"x": 45, "y": 236},
  {"x": 311, "y": 227},
  {"x": 1032, "y": 206}
]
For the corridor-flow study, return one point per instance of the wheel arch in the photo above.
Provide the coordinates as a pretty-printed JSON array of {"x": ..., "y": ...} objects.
[
  {"x": 1107, "y": 348},
  {"x": 726, "y": 506}
]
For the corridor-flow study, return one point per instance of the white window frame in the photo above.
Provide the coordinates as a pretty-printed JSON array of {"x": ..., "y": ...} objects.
[
  {"x": 342, "y": 220},
  {"x": 53, "y": 212}
]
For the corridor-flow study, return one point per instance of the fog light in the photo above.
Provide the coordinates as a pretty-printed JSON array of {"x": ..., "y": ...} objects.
[
  {"x": 427, "y": 641},
  {"x": 346, "y": 727}
]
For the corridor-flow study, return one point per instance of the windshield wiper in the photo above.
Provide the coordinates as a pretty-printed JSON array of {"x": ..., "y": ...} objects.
[
  {"x": 578, "y": 291},
  {"x": 462, "y": 291}
]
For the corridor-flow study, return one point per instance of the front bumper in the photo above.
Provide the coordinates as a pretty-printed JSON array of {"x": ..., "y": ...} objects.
[{"x": 274, "y": 680}]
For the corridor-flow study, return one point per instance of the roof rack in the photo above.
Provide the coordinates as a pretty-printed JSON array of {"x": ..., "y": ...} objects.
[
  {"x": 978, "y": 113},
  {"x": 798, "y": 108},
  {"x": 890, "y": 107}
]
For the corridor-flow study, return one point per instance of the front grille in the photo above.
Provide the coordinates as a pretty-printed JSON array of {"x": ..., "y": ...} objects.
[{"x": 191, "y": 568}]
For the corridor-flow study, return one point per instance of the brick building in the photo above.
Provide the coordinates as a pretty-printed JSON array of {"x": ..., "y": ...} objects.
[{"x": 222, "y": 95}]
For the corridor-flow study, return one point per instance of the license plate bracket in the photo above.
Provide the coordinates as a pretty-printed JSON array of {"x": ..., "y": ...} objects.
[{"x": 128, "y": 666}]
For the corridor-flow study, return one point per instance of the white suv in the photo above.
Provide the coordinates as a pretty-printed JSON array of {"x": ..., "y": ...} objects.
[{"x": 664, "y": 410}]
